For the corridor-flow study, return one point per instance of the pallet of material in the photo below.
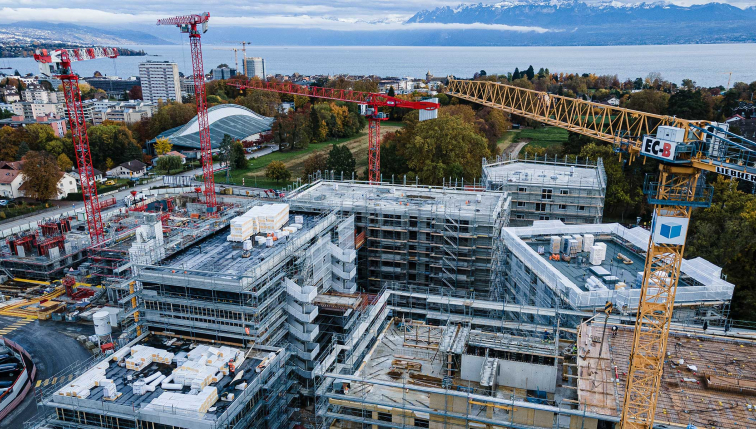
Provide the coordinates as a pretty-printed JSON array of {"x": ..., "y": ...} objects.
[
  {"x": 730, "y": 384},
  {"x": 426, "y": 378},
  {"x": 403, "y": 364}
]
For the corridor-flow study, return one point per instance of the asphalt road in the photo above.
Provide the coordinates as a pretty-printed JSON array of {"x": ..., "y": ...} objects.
[{"x": 51, "y": 350}]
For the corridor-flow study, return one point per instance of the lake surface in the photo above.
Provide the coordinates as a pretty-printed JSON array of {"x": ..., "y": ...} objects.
[{"x": 708, "y": 65}]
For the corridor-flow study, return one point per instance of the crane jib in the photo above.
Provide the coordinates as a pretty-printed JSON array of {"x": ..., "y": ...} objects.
[{"x": 736, "y": 174}]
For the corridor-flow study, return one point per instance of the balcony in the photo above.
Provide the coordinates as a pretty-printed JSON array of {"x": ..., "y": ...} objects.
[
  {"x": 300, "y": 293},
  {"x": 304, "y": 313},
  {"x": 306, "y": 333}
]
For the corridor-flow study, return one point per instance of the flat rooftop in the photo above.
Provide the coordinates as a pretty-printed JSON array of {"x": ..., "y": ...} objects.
[
  {"x": 700, "y": 280},
  {"x": 704, "y": 383},
  {"x": 351, "y": 195},
  {"x": 556, "y": 174},
  {"x": 144, "y": 404},
  {"x": 216, "y": 255}
]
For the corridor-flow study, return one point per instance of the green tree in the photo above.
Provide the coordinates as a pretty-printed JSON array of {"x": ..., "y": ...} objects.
[
  {"x": 650, "y": 101},
  {"x": 575, "y": 143},
  {"x": 64, "y": 162},
  {"x": 391, "y": 92},
  {"x": 41, "y": 175},
  {"x": 725, "y": 234},
  {"x": 516, "y": 75},
  {"x": 5, "y": 114},
  {"x": 169, "y": 163},
  {"x": 224, "y": 154},
  {"x": 688, "y": 104},
  {"x": 262, "y": 102},
  {"x": 530, "y": 73},
  {"x": 23, "y": 148},
  {"x": 110, "y": 141},
  {"x": 238, "y": 156},
  {"x": 277, "y": 171},
  {"x": 620, "y": 194},
  {"x": 341, "y": 161}
]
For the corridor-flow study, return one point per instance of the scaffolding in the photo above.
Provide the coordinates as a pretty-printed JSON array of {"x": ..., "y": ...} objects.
[
  {"x": 570, "y": 189},
  {"x": 439, "y": 236}
]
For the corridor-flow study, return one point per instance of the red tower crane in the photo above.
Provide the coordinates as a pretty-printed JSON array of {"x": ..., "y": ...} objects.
[
  {"x": 59, "y": 62},
  {"x": 189, "y": 24},
  {"x": 372, "y": 101}
]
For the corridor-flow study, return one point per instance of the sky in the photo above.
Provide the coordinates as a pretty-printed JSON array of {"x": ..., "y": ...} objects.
[{"x": 326, "y": 14}]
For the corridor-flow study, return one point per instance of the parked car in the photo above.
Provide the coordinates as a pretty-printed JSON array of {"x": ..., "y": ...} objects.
[
  {"x": 3, "y": 203},
  {"x": 110, "y": 183}
]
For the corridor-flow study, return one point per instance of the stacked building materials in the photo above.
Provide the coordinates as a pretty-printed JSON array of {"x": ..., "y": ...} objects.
[
  {"x": 82, "y": 386},
  {"x": 573, "y": 247},
  {"x": 598, "y": 254},
  {"x": 141, "y": 356},
  {"x": 587, "y": 242},
  {"x": 185, "y": 404},
  {"x": 244, "y": 226},
  {"x": 594, "y": 283},
  {"x": 565, "y": 243},
  {"x": 579, "y": 239},
  {"x": 272, "y": 216},
  {"x": 555, "y": 244}
]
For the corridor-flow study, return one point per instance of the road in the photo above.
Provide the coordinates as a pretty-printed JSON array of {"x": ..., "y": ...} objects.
[
  {"x": 52, "y": 346},
  {"x": 77, "y": 207}
]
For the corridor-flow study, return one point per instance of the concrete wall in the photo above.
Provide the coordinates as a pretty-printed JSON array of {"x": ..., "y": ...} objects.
[{"x": 512, "y": 374}]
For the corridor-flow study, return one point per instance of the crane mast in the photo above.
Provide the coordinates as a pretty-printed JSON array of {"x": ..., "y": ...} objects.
[
  {"x": 59, "y": 63},
  {"x": 686, "y": 149},
  {"x": 372, "y": 102},
  {"x": 190, "y": 24}
]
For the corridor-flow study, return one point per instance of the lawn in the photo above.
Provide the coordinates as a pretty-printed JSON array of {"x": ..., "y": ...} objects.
[
  {"x": 254, "y": 175},
  {"x": 21, "y": 210},
  {"x": 544, "y": 136},
  {"x": 507, "y": 139}
]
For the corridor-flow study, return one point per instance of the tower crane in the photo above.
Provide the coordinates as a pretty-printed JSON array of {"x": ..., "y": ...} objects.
[
  {"x": 371, "y": 102},
  {"x": 191, "y": 24},
  {"x": 687, "y": 149},
  {"x": 236, "y": 56},
  {"x": 58, "y": 62}
]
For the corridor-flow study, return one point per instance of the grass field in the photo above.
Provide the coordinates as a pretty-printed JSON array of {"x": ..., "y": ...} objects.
[
  {"x": 507, "y": 139},
  {"x": 254, "y": 175},
  {"x": 544, "y": 136}
]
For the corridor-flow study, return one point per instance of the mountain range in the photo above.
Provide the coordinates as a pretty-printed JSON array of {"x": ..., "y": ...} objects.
[{"x": 536, "y": 22}]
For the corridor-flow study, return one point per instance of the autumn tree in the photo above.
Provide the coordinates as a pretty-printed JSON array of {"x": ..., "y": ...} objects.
[
  {"x": 162, "y": 146},
  {"x": 263, "y": 102},
  {"x": 64, "y": 162},
  {"x": 341, "y": 161},
  {"x": 41, "y": 175},
  {"x": 135, "y": 93},
  {"x": 277, "y": 171},
  {"x": 314, "y": 163}
]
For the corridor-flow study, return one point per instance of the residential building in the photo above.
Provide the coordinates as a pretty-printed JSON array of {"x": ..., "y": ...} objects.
[
  {"x": 114, "y": 86},
  {"x": 58, "y": 125},
  {"x": 97, "y": 175},
  {"x": 571, "y": 191},
  {"x": 255, "y": 67},
  {"x": 66, "y": 185},
  {"x": 160, "y": 81},
  {"x": 10, "y": 94},
  {"x": 238, "y": 122},
  {"x": 36, "y": 93},
  {"x": 187, "y": 86},
  {"x": 10, "y": 181},
  {"x": 33, "y": 109},
  {"x": 128, "y": 170},
  {"x": 614, "y": 101},
  {"x": 223, "y": 73},
  {"x": 746, "y": 126}
]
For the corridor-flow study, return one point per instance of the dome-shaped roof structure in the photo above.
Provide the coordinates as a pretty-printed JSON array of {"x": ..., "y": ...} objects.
[{"x": 237, "y": 121}]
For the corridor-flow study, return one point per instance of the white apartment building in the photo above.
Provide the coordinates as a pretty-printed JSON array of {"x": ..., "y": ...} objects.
[
  {"x": 255, "y": 66},
  {"x": 37, "y": 94},
  {"x": 31, "y": 110},
  {"x": 160, "y": 81}
]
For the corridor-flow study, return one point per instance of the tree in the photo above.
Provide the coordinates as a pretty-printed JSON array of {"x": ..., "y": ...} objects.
[
  {"x": 314, "y": 163},
  {"x": 530, "y": 73},
  {"x": 341, "y": 161},
  {"x": 135, "y": 93},
  {"x": 109, "y": 164},
  {"x": 725, "y": 234},
  {"x": 391, "y": 92},
  {"x": 620, "y": 195},
  {"x": 516, "y": 75},
  {"x": 113, "y": 141},
  {"x": 23, "y": 148},
  {"x": 277, "y": 171},
  {"x": 688, "y": 104},
  {"x": 41, "y": 175},
  {"x": 5, "y": 114},
  {"x": 650, "y": 101},
  {"x": 169, "y": 163},
  {"x": 8, "y": 146},
  {"x": 64, "y": 162},
  {"x": 238, "y": 156},
  {"x": 162, "y": 146},
  {"x": 575, "y": 143}
]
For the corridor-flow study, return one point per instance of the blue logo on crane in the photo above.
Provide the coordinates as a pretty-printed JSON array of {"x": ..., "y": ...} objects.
[{"x": 670, "y": 230}]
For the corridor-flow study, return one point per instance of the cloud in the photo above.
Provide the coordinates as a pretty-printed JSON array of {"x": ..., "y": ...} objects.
[{"x": 388, "y": 23}]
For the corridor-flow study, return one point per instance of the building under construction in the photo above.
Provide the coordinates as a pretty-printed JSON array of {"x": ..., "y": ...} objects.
[
  {"x": 570, "y": 190},
  {"x": 422, "y": 235}
]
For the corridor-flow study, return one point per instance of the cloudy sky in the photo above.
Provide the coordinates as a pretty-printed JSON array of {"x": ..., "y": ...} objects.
[{"x": 326, "y": 14}]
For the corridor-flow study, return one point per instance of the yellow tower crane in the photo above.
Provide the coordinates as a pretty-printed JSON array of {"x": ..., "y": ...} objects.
[{"x": 686, "y": 149}]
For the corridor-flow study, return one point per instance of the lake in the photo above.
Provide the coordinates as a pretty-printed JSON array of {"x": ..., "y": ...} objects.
[{"x": 708, "y": 65}]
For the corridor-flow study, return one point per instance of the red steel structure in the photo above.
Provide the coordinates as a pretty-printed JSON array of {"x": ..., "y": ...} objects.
[
  {"x": 189, "y": 24},
  {"x": 62, "y": 59},
  {"x": 370, "y": 99}
]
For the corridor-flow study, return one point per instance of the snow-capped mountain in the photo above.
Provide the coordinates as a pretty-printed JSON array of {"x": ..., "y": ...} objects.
[{"x": 569, "y": 14}]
